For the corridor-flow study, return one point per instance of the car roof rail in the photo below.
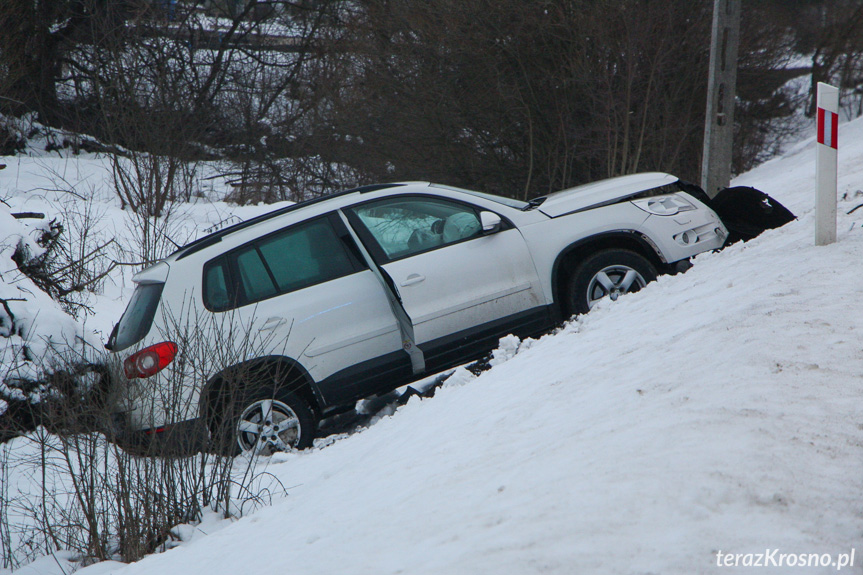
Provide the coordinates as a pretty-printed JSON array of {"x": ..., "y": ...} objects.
[{"x": 216, "y": 237}]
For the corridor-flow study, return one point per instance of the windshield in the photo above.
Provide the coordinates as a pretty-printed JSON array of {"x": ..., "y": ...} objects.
[
  {"x": 139, "y": 314},
  {"x": 517, "y": 204}
]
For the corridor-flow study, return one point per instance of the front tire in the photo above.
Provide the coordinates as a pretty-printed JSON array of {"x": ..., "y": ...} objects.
[{"x": 607, "y": 273}]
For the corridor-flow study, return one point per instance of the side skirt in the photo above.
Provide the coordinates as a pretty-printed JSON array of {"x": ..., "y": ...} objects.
[{"x": 385, "y": 373}]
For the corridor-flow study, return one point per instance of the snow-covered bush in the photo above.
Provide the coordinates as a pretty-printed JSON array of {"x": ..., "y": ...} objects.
[{"x": 41, "y": 346}]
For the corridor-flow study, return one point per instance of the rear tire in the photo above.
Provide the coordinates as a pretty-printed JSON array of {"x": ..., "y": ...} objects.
[
  {"x": 264, "y": 422},
  {"x": 607, "y": 273}
]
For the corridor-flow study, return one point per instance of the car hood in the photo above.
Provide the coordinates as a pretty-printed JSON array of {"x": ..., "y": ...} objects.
[{"x": 602, "y": 193}]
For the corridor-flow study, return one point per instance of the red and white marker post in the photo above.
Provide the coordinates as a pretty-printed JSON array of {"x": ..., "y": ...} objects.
[{"x": 826, "y": 164}]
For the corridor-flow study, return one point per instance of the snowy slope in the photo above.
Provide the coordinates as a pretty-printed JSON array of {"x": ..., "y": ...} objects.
[{"x": 714, "y": 411}]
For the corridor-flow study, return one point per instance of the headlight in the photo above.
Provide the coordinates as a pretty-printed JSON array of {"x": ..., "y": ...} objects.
[{"x": 669, "y": 205}]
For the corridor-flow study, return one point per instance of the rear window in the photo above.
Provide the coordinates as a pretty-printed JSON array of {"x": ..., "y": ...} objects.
[{"x": 139, "y": 314}]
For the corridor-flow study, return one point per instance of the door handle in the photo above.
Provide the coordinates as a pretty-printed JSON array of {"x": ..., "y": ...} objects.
[
  {"x": 272, "y": 323},
  {"x": 412, "y": 280}
]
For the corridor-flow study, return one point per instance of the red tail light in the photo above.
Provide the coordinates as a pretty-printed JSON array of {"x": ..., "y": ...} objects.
[{"x": 150, "y": 360}]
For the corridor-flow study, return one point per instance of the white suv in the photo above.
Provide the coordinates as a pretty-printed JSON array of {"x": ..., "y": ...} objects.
[{"x": 255, "y": 333}]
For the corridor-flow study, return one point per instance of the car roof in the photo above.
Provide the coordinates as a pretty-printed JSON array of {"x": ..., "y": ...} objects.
[{"x": 217, "y": 236}]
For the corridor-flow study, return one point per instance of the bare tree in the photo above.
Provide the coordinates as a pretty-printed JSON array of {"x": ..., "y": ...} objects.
[{"x": 523, "y": 97}]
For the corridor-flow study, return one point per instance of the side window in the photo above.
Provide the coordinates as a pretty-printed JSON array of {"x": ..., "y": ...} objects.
[
  {"x": 306, "y": 255},
  {"x": 295, "y": 258},
  {"x": 407, "y": 226},
  {"x": 216, "y": 296},
  {"x": 256, "y": 280}
]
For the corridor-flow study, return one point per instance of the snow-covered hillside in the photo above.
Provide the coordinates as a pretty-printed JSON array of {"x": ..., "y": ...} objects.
[{"x": 717, "y": 411}]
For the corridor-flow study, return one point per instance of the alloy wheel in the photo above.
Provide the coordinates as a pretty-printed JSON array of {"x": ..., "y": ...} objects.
[
  {"x": 613, "y": 281},
  {"x": 267, "y": 426}
]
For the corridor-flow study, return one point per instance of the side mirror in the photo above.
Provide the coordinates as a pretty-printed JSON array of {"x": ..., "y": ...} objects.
[{"x": 490, "y": 222}]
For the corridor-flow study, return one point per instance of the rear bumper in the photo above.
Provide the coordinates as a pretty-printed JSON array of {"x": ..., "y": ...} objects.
[{"x": 182, "y": 438}]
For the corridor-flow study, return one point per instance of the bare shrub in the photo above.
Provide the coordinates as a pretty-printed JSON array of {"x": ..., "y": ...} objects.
[
  {"x": 148, "y": 183},
  {"x": 157, "y": 185},
  {"x": 104, "y": 503},
  {"x": 5, "y": 535},
  {"x": 69, "y": 256},
  {"x": 105, "y": 494},
  {"x": 71, "y": 264}
]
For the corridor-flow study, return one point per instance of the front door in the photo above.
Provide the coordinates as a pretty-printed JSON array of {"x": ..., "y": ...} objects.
[{"x": 460, "y": 287}]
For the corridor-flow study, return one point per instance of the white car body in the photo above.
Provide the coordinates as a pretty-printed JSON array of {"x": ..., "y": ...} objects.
[{"x": 459, "y": 292}]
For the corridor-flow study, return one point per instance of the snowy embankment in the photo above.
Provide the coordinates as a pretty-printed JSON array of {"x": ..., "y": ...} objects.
[
  {"x": 714, "y": 411},
  {"x": 717, "y": 410}
]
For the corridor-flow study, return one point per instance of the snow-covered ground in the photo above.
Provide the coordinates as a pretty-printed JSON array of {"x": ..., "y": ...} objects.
[
  {"x": 77, "y": 190},
  {"x": 717, "y": 411}
]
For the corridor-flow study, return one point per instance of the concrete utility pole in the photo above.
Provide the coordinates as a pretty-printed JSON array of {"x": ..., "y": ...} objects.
[{"x": 721, "y": 89}]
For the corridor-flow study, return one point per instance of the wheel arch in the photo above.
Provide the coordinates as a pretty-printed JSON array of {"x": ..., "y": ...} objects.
[
  {"x": 576, "y": 252},
  {"x": 275, "y": 367}
]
